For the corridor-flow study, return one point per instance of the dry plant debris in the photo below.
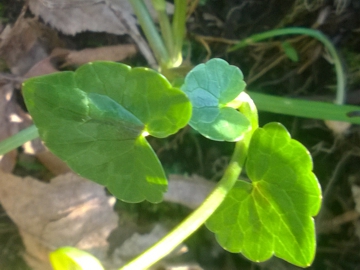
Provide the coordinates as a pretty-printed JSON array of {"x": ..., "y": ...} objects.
[
  {"x": 68, "y": 211},
  {"x": 71, "y": 17},
  {"x": 12, "y": 120}
]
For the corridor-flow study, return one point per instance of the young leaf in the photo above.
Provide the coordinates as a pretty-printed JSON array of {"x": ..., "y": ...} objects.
[
  {"x": 272, "y": 215},
  {"x": 67, "y": 258},
  {"x": 210, "y": 87},
  {"x": 290, "y": 51},
  {"x": 96, "y": 118}
]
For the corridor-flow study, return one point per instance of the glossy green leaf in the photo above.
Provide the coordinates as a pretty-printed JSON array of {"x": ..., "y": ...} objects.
[
  {"x": 96, "y": 118},
  {"x": 69, "y": 258},
  {"x": 272, "y": 214},
  {"x": 211, "y": 87}
]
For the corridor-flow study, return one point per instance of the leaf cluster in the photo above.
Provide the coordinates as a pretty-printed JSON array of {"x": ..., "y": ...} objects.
[{"x": 97, "y": 119}]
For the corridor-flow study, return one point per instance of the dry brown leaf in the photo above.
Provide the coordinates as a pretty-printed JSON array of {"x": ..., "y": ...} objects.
[
  {"x": 12, "y": 120},
  {"x": 43, "y": 67},
  {"x": 71, "y": 17},
  {"x": 138, "y": 243},
  {"x": 188, "y": 191},
  {"x": 105, "y": 53},
  {"x": 26, "y": 43},
  {"x": 74, "y": 16},
  {"x": 54, "y": 164},
  {"x": 112, "y": 16},
  {"x": 69, "y": 211}
]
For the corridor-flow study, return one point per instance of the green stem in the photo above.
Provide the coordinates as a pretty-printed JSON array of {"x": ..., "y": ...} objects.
[
  {"x": 179, "y": 27},
  {"x": 211, "y": 203},
  {"x": 264, "y": 102},
  {"x": 18, "y": 139},
  {"x": 340, "y": 74},
  {"x": 152, "y": 35},
  {"x": 165, "y": 28},
  {"x": 306, "y": 108},
  {"x": 198, "y": 217}
]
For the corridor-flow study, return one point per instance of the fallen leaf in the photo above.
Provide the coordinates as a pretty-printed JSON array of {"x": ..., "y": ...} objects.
[
  {"x": 188, "y": 191},
  {"x": 106, "y": 53},
  {"x": 112, "y": 16},
  {"x": 68, "y": 211},
  {"x": 12, "y": 120},
  {"x": 27, "y": 43},
  {"x": 43, "y": 67}
]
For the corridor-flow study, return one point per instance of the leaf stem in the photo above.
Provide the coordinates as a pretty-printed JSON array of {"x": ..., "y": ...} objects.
[
  {"x": 165, "y": 26},
  {"x": 178, "y": 24},
  {"x": 197, "y": 218},
  {"x": 306, "y": 108},
  {"x": 340, "y": 74},
  {"x": 210, "y": 204},
  {"x": 155, "y": 41},
  {"x": 18, "y": 139}
]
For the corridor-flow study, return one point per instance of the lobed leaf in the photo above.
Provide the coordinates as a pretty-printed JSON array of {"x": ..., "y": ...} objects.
[
  {"x": 96, "y": 118},
  {"x": 272, "y": 214},
  {"x": 211, "y": 87}
]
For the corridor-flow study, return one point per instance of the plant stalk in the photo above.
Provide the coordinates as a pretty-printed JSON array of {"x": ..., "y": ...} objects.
[
  {"x": 155, "y": 41},
  {"x": 210, "y": 204},
  {"x": 165, "y": 26},
  {"x": 306, "y": 108},
  {"x": 18, "y": 139},
  {"x": 198, "y": 217},
  {"x": 340, "y": 74},
  {"x": 179, "y": 28}
]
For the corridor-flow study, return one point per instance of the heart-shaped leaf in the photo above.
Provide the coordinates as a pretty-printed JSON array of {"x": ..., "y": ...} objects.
[
  {"x": 272, "y": 214},
  {"x": 96, "y": 118},
  {"x": 67, "y": 258},
  {"x": 211, "y": 87}
]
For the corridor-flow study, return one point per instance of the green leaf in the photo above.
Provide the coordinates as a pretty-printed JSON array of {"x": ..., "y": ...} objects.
[
  {"x": 290, "y": 51},
  {"x": 70, "y": 258},
  {"x": 96, "y": 118},
  {"x": 211, "y": 87},
  {"x": 272, "y": 214}
]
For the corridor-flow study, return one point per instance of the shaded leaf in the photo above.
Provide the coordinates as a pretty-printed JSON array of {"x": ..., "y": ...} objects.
[
  {"x": 95, "y": 118},
  {"x": 210, "y": 87},
  {"x": 272, "y": 215},
  {"x": 290, "y": 51}
]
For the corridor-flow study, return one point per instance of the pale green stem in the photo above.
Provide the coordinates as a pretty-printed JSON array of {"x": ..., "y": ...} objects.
[
  {"x": 211, "y": 203},
  {"x": 18, "y": 139},
  {"x": 179, "y": 28},
  {"x": 198, "y": 217},
  {"x": 306, "y": 108},
  {"x": 340, "y": 74},
  {"x": 165, "y": 28},
  {"x": 152, "y": 35}
]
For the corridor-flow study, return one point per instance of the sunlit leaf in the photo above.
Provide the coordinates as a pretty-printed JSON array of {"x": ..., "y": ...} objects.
[
  {"x": 272, "y": 214},
  {"x": 210, "y": 87},
  {"x": 69, "y": 258},
  {"x": 96, "y": 118}
]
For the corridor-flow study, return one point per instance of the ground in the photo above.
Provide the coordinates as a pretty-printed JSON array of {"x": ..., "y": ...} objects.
[{"x": 267, "y": 68}]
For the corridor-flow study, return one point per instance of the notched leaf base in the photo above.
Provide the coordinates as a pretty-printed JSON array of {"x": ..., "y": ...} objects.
[
  {"x": 96, "y": 118},
  {"x": 211, "y": 87},
  {"x": 272, "y": 215}
]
